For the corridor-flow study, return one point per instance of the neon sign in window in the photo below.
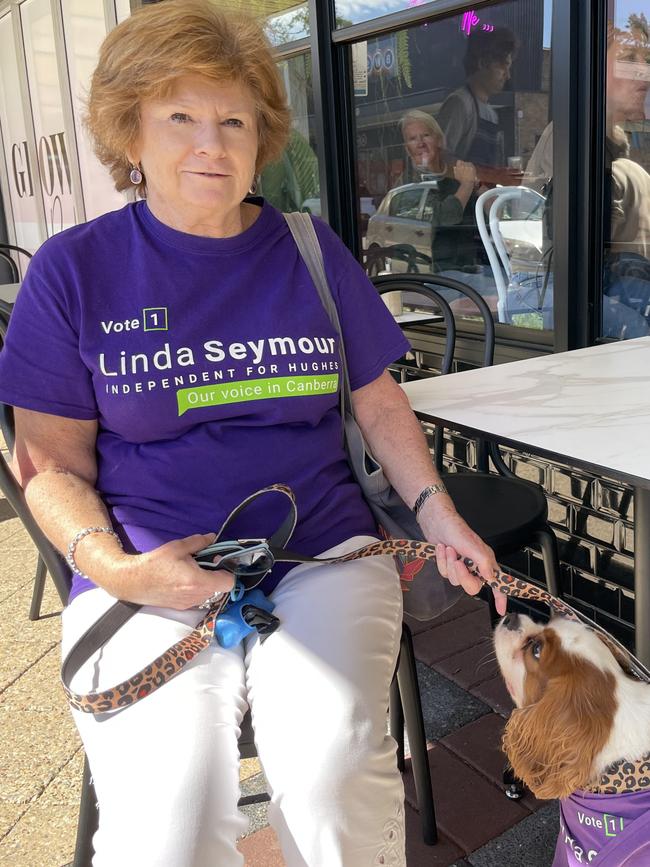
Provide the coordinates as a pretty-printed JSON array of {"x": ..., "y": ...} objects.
[{"x": 471, "y": 20}]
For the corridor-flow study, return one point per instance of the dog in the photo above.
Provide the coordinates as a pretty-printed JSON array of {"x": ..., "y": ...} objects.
[{"x": 580, "y": 732}]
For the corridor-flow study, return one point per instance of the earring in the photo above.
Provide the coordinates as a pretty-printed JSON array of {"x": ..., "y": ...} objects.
[
  {"x": 135, "y": 176},
  {"x": 253, "y": 186}
]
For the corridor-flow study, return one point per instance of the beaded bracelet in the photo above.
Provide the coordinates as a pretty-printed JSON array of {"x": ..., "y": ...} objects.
[{"x": 72, "y": 547}]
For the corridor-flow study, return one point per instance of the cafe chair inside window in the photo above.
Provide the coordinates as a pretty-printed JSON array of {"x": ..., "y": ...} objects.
[{"x": 513, "y": 235}]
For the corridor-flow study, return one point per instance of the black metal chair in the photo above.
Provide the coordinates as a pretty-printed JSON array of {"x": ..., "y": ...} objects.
[
  {"x": 405, "y": 704},
  {"x": 9, "y": 260},
  {"x": 376, "y": 257},
  {"x": 5, "y": 256},
  {"x": 506, "y": 511}
]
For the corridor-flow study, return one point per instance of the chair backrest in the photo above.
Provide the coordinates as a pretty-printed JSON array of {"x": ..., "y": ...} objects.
[
  {"x": 5, "y": 254},
  {"x": 492, "y": 235},
  {"x": 4, "y": 322},
  {"x": 394, "y": 283},
  {"x": 13, "y": 268},
  {"x": 432, "y": 287},
  {"x": 424, "y": 284},
  {"x": 375, "y": 259},
  {"x": 435, "y": 285}
]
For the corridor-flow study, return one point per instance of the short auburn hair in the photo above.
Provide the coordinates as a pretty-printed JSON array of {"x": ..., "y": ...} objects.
[{"x": 143, "y": 57}]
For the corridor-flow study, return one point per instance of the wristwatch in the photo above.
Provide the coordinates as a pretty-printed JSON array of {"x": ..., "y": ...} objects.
[{"x": 429, "y": 491}]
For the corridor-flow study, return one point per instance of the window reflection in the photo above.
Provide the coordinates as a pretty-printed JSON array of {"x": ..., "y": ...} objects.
[
  {"x": 442, "y": 145},
  {"x": 354, "y": 11},
  {"x": 626, "y": 285},
  {"x": 292, "y": 183},
  {"x": 286, "y": 25}
]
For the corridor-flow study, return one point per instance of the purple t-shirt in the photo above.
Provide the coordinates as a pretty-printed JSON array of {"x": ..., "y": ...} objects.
[
  {"x": 604, "y": 829},
  {"x": 211, "y": 368}
]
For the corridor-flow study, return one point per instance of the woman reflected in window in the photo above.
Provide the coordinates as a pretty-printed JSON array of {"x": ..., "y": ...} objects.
[{"x": 451, "y": 192}]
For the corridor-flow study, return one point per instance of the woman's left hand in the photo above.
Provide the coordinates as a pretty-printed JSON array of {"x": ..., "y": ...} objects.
[{"x": 455, "y": 540}]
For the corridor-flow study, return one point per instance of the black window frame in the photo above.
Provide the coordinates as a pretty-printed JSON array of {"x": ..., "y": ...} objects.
[{"x": 577, "y": 88}]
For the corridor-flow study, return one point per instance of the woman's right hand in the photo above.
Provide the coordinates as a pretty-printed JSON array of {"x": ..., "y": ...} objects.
[{"x": 167, "y": 576}]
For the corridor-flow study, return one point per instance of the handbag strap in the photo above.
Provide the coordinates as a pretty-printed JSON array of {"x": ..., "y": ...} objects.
[{"x": 302, "y": 228}]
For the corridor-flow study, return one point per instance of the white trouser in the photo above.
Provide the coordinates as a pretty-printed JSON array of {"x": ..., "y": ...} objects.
[{"x": 166, "y": 770}]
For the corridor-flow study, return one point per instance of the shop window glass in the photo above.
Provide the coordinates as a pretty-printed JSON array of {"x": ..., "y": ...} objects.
[
  {"x": 122, "y": 10},
  {"x": 476, "y": 121},
  {"x": 626, "y": 283},
  {"x": 284, "y": 20},
  {"x": 285, "y": 24},
  {"x": 292, "y": 183},
  {"x": 22, "y": 178},
  {"x": 83, "y": 22},
  {"x": 45, "y": 96},
  {"x": 354, "y": 11}
]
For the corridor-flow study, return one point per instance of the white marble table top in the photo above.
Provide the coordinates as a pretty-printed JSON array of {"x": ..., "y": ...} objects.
[
  {"x": 589, "y": 407},
  {"x": 8, "y": 292},
  {"x": 416, "y": 318}
]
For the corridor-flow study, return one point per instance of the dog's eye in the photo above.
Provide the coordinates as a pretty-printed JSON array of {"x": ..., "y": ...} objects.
[{"x": 536, "y": 649}]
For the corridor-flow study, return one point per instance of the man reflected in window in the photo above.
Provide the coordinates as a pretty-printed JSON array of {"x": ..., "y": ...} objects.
[
  {"x": 470, "y": 124},
  {"x": 626, "y": 304}
]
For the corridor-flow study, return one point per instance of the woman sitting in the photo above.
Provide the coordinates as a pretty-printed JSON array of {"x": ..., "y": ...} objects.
[{"x": 142, "y": 358}]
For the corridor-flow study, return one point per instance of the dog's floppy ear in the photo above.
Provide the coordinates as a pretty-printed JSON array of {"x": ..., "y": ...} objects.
[{"x": 552, "y": 743}]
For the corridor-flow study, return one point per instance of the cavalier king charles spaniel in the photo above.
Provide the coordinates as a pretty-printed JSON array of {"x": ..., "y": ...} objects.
[{"x": 577, "y": 710}]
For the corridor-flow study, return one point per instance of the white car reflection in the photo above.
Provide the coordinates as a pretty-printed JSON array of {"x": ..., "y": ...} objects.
[
  {"x": 402, "y": 226},
  {"x": 401, "y": 220}
]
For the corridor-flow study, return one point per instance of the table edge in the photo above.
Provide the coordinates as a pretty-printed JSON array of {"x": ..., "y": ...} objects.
[{"x": 527, "y": 448}]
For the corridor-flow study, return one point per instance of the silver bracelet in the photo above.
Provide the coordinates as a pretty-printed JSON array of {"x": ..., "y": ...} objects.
[
  {"x": 429, "y": 491},
  {"x": 72, "y": 547}
]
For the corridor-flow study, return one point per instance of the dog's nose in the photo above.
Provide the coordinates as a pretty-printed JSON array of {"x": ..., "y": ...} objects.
[{"x": 511, "y": 621}]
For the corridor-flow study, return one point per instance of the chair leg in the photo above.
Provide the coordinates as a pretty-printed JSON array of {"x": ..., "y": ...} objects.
[
  {"x": 439, "y": 448},
  {"x": 39, "y": 587},
  {"x": 512, "y": 785},
  {"x": 410, "y": 694},
  {"x": 88, "y": 821},
  {"x": 396, "y": 718},
  {"x": 550, "y": 555}
]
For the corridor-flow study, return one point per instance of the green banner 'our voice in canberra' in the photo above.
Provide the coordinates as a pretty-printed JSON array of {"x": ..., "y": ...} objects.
[{"x": 255, "y": 389}]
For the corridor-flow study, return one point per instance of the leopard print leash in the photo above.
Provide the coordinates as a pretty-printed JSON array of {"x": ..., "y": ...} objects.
[{"x": 175, "y": 658}]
